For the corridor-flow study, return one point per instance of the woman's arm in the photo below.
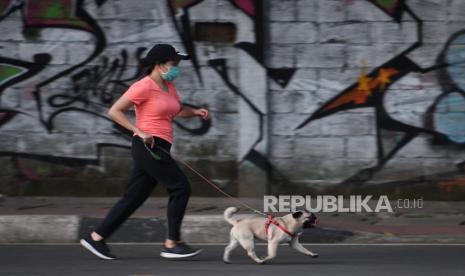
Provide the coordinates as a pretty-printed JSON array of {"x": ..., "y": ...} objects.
[
  {"x": 116, "y": 113},
  {"x": 187, "y": 112}
]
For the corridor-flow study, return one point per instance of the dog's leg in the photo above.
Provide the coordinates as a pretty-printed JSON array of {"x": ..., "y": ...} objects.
[
  {"x": 299, "y": 247},
  {"x": 249, "y": 246},
  {"x": 272, "y": 248},
  {"x": 233, "y": 243}
]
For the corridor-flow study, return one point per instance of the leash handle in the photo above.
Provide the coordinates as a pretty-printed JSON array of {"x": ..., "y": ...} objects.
[{"x": 154, "y": 155}]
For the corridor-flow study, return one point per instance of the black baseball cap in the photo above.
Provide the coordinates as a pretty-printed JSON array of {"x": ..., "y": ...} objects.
[{"x": 162, "y": 52}]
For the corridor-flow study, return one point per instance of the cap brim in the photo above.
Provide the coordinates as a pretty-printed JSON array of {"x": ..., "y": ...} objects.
[{"x": 182, "y": 56}]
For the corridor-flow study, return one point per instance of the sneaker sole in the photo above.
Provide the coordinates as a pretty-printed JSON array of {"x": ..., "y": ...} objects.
[
  {"x": 95, "y": 252},
  {"x": 178, "y": 256}
]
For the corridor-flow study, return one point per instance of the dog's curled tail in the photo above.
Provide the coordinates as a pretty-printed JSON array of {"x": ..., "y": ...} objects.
[{"x": 228, "y": 213}]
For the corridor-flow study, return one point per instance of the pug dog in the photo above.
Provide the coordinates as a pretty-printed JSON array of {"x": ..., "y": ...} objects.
[{"x": 244, "y": 232}]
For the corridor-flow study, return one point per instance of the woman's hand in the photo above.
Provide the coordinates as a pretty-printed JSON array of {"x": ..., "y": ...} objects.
[
  {"x": 146, "y": 138},
  {"x": 202, "y": 112},
  {"x": 188, "y": 112}
]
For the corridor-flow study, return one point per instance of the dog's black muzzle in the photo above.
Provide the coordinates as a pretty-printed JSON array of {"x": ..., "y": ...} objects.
[{"x": 311, "y": 222}]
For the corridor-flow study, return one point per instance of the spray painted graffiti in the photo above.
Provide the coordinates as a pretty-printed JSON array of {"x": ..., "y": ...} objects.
[
  {"x": 90, "y": 90},
  {"x": 448, "y": 111},
  {"x": 57, "y": 14},
  {"x": 370, "y": 90},
  {"x": 254, "y": 10},
  {"x": 13, "y": 71},
  {"x": 394, "y": 8},
  {"x": 97, "y": 80},
  {"x": 37, "y": 15}
]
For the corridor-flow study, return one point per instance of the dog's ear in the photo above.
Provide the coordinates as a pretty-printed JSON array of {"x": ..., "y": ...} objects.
[{"x": 297, "y": 215}]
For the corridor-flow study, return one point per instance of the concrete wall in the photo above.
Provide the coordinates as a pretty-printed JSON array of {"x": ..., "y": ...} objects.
[{"x": 310, "y": 94}]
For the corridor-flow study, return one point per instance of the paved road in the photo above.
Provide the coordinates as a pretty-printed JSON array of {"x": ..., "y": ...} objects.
[{"x": 144, "y": 260}]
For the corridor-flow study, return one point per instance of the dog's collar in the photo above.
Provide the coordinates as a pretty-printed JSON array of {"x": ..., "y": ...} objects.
[{"x": 271, "y": 220}]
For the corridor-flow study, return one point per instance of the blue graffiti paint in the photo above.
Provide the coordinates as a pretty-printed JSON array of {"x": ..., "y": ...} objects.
[
  {"x": 449, "y": 117},
  {"x": 455, "y": 55}
]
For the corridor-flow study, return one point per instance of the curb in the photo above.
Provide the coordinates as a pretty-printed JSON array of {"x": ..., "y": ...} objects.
[
  {"x": 70, "y": 228},
  {"x": 195, "y": 229},
  {"x": 39, "y": 228}
]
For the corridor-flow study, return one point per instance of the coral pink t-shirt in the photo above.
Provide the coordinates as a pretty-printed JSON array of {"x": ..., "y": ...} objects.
[{"x": 155, "y": 108}]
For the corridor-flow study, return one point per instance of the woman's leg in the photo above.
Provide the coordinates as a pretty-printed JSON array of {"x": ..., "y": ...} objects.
[
  {"x": 167, "y": 172},
  {"x": 139, "y": 188},
  {"x": 137, "y": 191},
  {"x": 179, "y": 192}
]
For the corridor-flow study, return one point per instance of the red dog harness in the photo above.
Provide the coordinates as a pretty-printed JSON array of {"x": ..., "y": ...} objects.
[{"x": 271, "y": 220}]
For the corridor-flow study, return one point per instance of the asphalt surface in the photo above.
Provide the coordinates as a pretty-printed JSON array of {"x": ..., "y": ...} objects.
[{"x": 137, "y": 259}]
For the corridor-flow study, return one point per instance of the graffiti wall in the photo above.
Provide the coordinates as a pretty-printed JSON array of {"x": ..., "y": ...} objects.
[{"x": 305, "y": 95}]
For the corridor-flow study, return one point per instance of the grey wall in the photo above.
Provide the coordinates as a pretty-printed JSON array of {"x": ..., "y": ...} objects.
[{"x": 315, "y": 94}]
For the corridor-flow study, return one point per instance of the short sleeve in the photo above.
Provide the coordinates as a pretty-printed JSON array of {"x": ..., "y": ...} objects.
[{"x": 136, "y": 94}]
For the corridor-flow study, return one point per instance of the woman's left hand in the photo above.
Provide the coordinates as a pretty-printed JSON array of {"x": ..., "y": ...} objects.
[{"x": 202, "y": 112}]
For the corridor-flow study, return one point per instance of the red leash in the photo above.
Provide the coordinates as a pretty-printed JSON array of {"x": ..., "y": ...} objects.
[{"x": 270, "y": 219}]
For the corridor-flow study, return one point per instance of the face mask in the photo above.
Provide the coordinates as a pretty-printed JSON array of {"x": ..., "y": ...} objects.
[{"x": 171, "y": 74}]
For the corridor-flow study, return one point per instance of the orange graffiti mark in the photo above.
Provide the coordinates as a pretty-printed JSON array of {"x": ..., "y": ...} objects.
[
  {"x": 365, "y": 88},
  {"x": 364, "y": 85},
  {"x": 385, "y": 75}
]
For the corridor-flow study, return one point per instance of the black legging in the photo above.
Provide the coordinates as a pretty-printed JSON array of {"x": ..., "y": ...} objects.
[{"x": 147, "y": 172}]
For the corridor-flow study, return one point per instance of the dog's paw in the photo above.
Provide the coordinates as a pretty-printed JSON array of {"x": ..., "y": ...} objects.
[
  {"x": 227, "y": 261},
  {"x": 261, "y": 261},
  {"x": 314, "y": 255}
]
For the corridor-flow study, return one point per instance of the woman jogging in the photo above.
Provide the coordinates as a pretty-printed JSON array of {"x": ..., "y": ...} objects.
[{"x": 156, "y": 104}]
